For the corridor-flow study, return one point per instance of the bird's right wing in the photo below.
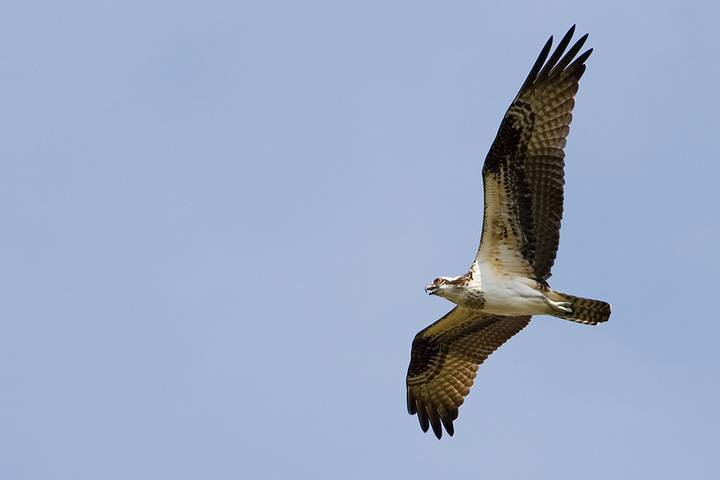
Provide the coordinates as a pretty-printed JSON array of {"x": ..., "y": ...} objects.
[{"x": 444, "y": 360}]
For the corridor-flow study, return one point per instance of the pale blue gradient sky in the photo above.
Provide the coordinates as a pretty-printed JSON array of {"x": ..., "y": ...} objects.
[{"x": 219, "y": 217}]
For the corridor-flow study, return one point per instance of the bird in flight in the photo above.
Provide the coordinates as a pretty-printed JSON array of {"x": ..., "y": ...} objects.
[{"x": 523, "y": 178}]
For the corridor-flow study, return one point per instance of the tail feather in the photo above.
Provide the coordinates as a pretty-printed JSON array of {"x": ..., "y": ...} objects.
[{"x": 584, "y": 310}]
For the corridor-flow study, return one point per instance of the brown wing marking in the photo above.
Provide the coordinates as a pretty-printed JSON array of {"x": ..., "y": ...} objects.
[
  {"x": 444, "y": 360},
  {"x": 523, "y": 174}
]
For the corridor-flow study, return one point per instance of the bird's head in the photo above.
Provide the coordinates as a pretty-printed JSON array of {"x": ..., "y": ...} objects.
[
  {"x": 436, "y": 286},
  {"x": 452, "y": 288},
  {"x": 442, "y": 286}
]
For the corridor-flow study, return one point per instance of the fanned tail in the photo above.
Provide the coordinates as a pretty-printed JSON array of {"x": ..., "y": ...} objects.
[{"x": 584, "y": 310}]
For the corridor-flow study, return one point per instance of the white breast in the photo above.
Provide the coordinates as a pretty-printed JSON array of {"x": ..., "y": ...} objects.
[{"x": 507, "y": 293}]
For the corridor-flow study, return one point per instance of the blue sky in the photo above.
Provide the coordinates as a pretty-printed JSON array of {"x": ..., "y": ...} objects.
[{"x": 219, "y": 217}]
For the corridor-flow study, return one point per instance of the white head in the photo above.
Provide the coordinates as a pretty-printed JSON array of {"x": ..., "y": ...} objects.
[{"x": 452, "y": 288}]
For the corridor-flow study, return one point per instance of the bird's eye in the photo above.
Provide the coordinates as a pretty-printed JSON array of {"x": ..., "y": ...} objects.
[{"x": 439, "y": 281}]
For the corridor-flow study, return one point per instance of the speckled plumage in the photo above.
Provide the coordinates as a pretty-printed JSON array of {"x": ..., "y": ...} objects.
[
  {"x": 445, "y": 358},
  {"x": 523, "y": 180}
]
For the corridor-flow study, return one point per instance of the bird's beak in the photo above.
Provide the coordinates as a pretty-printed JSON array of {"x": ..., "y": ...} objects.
[{"x": 431, "y": 289}]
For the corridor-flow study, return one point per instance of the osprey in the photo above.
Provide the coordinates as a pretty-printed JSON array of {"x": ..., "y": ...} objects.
[{"x": 523, "y": 178}]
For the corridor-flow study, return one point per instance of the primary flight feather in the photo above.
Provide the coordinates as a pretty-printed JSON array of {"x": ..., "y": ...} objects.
[{"x": 523, "y": 179}]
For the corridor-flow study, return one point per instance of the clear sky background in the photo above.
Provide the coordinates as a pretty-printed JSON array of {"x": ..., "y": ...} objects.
[{"x": 218, "y": 219}]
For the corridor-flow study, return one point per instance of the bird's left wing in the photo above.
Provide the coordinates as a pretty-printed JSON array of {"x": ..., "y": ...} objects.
[
  {"x": 444, "y": 360},
  {"x": 523, "y": 174}
]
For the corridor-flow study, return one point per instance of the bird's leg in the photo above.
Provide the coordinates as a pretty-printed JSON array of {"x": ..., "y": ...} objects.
[{"x": 560, "y": 307}]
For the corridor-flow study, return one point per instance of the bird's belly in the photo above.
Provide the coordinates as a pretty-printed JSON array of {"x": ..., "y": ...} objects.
[{"x": 514, "y": 297}]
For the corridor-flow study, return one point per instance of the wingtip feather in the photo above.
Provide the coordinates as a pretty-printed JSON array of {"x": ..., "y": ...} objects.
[
  {"x": 448, "y": 424},
  {"x": 411, "y": 403},
  {"x": 435, "y": 423},
  {"x": 423, "y": 419}
]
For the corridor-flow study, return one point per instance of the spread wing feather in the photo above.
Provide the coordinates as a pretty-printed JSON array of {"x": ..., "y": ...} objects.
[
  {"x": 523, "y": 174},
  {"x": 444, "y": 360}
]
